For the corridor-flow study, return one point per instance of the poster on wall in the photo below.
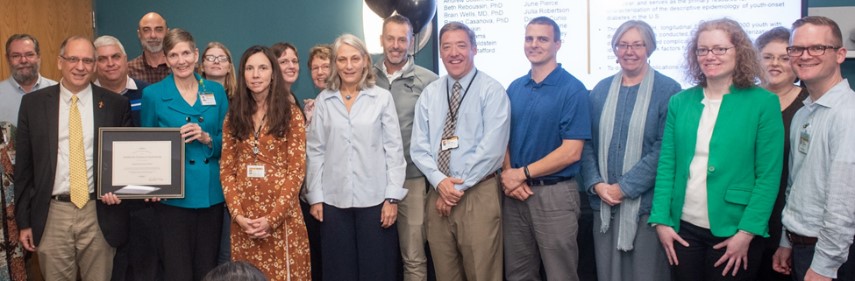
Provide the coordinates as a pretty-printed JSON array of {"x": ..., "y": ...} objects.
[{"x": 587, "y": 28}]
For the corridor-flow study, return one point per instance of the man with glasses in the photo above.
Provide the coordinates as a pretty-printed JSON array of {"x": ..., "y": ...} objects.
[
  {"x": 549, "y": 125},
  {"x": 57, "y": 212},
  {"x": 819, "y": 217},
  {"x": 150, "y": 66},
  {"x": 22, "y": 54}
]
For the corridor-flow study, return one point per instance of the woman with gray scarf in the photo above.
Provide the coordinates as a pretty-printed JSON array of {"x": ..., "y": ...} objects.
[{"x": 619, "y": 163}]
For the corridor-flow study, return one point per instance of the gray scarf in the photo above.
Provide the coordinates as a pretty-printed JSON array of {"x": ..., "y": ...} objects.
[{"x": 628, "y": 223}]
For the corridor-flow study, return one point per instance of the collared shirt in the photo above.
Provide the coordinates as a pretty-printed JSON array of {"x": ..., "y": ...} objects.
[
  {"x": 138, "y": 68},
  {"x": 133, "y": 92},
  {"x": 483, "y": 126},
  {"x": 406, "y": 89},
  {"x": 355, "y": 159},
  {"x": 84, "y": 105},
  {"x": 10, "y": 97},
  {"x": 545, "y": 114},
  {"x": 396, "y": 74},
  {"x": 822, "y": 177}
]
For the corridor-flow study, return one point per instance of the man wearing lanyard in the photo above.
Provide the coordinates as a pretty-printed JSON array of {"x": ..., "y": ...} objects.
[
  {"x": 819, "y": 217},
  {"x": 549, "y": 125},
  {"x": 460, "y": 134}
]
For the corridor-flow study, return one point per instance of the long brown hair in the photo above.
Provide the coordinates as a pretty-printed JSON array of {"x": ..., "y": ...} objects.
[{"x": 243, "y": 106}]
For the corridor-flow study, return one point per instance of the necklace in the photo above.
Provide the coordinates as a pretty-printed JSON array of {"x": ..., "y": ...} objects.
[{"x": 348, "y": 97}]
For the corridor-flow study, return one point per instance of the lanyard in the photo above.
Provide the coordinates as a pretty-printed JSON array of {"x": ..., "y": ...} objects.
[
  {"x": 448, "y": 96},
  {"x": 257, "y": 134}
]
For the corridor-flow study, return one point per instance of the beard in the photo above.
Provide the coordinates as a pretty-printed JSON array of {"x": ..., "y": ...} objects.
[
  {"x": 23, "y": 76},
  {"x": 154, "y": 49}
]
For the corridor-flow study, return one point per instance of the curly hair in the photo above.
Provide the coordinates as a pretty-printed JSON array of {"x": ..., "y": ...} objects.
[{"x": 747, "y": 63}]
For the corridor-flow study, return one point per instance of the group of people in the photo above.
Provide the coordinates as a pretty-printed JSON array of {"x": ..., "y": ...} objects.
[{"x": 685, "y": 184}]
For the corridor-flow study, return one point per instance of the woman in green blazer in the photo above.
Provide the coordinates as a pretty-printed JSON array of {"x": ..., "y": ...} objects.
[{"x": 720, "y": 161}]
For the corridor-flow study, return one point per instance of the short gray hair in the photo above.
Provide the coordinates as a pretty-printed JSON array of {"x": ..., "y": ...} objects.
[
  {"x": 647, "y": 34},
  {"x": 108, "y": 40}
]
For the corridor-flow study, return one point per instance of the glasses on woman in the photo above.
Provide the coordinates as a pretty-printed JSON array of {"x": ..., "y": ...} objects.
[
  {"x": 626, "y": 47},
  {"x": 213, "y": 58},
  {"x": 815, "y": 50},
  {"x": 718, "y": 51}
]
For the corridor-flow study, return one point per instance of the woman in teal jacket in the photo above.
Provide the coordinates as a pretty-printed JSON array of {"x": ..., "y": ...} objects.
[
  {"x": 191, "y": 226},
  {"x": 720, "y": 160}
]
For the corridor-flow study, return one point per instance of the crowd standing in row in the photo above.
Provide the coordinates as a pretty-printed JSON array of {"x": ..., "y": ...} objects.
[{"x": 686, "y": 184}]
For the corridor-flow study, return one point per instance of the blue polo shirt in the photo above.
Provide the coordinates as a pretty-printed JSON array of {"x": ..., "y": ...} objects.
[{"x": 545, "y": 114}]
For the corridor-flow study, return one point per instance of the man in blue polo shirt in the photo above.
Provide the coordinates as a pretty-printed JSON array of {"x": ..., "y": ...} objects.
[{"x": 549, "y": 125}]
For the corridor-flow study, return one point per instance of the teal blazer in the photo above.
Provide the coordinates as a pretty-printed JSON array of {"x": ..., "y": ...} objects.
[
  {"x": 163, "y": 106},
  {"x": 744, "y": 170}
]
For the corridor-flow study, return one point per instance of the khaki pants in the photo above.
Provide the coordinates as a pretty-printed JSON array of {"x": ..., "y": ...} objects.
[
  {"x": 72, "y": 239},
  {"x": 411, "y": 229},
  {"x": 467, "y": 245}
]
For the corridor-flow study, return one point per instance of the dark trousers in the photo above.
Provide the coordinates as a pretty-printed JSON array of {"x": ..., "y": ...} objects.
[
  {"x": 191, "y": 240},
  {"x": 803, "y": 255},
  {"x": 697, "y": 261},
  {"x": 140, "y": 258},
  {"x": 356, "y": 247},
  {"x": 313, "y": 227},
  {"x": 766, "y": 273}
]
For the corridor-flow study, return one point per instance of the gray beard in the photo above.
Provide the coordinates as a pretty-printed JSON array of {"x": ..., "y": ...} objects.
[
  {"x": 22, "y": 77},
  {"x": 154, "y": 49}
]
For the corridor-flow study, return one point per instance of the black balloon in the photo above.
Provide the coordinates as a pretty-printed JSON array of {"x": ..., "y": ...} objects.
[
  {"x": 382, "y": 8},
  {"x": 420, "y": 12}
]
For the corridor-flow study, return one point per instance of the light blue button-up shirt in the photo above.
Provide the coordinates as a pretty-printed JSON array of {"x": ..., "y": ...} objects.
[
  {"x": 10, "y": 97},
  {"x": 822, "y": 177},
  {"x": 483, "y": 128},
  {"x": 355, "y": 159}
]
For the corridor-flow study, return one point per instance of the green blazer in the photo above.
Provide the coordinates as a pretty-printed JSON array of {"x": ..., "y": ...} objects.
[{"x": 744, "y": 170}]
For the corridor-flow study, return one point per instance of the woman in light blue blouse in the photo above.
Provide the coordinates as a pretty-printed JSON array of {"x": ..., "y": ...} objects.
[{"x": 355, "y": 169}]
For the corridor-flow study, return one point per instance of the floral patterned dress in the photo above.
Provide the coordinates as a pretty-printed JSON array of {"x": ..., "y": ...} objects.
[
  {"x": 11, "y": 253},
  {"x": 284, "y": 255}
]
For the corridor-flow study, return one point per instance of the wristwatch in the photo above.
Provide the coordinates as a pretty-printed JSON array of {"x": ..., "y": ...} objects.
[{"x": 393, "y": 200}]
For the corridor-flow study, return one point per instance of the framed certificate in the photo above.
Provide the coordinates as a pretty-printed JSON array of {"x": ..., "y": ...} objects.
[{"x": 136, "y": 163}]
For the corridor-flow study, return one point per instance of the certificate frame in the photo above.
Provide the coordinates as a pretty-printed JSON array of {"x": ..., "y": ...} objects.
[{"x": 127, "y": 175}]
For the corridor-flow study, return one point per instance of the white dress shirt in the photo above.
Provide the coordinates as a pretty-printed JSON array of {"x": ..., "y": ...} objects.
[{"x": 84, "y": 105}]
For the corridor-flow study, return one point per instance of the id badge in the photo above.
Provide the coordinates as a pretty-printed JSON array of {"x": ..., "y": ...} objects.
[
  {"x": 207, "y": 98},
  {"x": 449, "y": 143},
  {"x": 804, "y": 142},
  {"x": 255, "y": 171}
]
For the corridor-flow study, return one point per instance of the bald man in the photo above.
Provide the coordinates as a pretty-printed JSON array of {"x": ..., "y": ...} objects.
[{"x": 151, "y": 65}]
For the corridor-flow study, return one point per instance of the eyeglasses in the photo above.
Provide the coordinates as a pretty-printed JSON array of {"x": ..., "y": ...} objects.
[
  {"x": 213, "y": 58},
  {"x": 718, "y": 51},
  {"x": 816, "y": 50},
  {"x": 75, "y": 60},
  {"x": 636, "y": 46},
  {"x": 17, "y": 56}
]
